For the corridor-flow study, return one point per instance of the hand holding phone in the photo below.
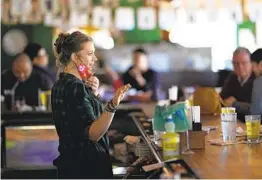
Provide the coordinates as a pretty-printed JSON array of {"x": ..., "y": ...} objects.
[
  {"x": 84, "y": 72},
  {"x": 93, "y": 83}
]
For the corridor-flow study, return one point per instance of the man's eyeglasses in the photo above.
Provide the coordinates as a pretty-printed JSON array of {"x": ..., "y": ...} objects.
[{"x": 240, "y": 63}]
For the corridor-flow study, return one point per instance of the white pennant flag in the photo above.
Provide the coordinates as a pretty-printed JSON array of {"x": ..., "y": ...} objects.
[
  {"x": 237, "y": 14},
  {"x": 125, "y": 18},
  {"x": 181, "y": 16},
  {"x": 146, "y": 18},
  {"x": 101, "y": 17},
  {"x": 255, "y": 10},
  {"x": 212, "y": 15},
  {"x": 20, "y": 7},
  {"x": 78, "y": 19},
  {"x": 201, "y": 16},
  {"x": 191, "y": 16},
  {"x": 166, "y": 18},
  {"x": 224, "y": 15}
]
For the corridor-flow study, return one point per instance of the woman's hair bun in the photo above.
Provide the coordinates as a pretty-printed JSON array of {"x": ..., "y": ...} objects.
[{"x": 60, "y": 41}]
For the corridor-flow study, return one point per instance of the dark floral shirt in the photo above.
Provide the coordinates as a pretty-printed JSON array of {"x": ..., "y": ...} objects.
[{"x": 75, "y": 108}]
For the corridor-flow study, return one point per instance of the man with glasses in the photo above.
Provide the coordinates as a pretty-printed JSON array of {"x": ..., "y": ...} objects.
[
  {"x": 238, "y": 86},
  {"x": 255, "y": 107}
]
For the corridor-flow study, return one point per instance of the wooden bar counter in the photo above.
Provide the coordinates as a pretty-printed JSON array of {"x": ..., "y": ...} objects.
[{"x": 239, "y": 161}]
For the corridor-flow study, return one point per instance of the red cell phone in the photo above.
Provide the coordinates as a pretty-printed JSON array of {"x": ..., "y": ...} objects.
[{"x": 84, "y": 71}]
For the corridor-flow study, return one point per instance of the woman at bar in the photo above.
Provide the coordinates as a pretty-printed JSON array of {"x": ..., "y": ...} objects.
[{"x": 80, "y": 120}]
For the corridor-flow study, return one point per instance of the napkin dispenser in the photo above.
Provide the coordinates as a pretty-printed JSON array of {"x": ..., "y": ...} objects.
[{"x": 196, "y": 140}]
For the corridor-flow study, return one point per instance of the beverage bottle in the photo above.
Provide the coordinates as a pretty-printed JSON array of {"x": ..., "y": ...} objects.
[{"x": 170, "y": 140}]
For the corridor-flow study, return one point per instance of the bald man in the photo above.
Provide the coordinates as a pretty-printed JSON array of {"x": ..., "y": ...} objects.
[{"x": 24, "y": 81}]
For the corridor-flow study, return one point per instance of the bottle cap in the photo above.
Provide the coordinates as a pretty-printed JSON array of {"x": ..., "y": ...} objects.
[{"x": 170, "y": 118}]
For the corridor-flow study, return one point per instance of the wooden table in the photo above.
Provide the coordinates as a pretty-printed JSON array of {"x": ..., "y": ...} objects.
[{"x": 240, "y": 161}]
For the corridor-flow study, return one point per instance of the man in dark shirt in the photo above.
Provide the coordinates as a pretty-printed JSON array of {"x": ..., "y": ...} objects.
[
  {"x": 255, "y": 107},
  {"x": 141, "y": 77},
  {"x": 39, "y": 57},
  {"x": 238, "y": 86},
  {"x": 23, "y": 81}
]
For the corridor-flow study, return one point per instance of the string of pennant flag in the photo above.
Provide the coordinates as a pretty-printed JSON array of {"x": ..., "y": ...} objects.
[{"x": 81, "y": 13}]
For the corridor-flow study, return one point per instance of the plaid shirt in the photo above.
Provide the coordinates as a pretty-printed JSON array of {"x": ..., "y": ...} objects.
[{"x": 75, "y": 108}]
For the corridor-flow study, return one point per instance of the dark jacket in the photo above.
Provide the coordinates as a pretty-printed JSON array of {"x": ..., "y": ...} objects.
[
  {"x": 232, "y": 87},
  {"x": 44, "y": 71},
  {"x": 27, "y": 90}
]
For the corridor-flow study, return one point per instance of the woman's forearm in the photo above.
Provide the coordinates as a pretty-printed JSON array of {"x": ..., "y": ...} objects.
[{"x": 100, "y": 126}]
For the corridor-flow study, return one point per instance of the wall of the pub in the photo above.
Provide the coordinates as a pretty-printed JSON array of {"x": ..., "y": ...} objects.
[{"x": 13, "y": 41}]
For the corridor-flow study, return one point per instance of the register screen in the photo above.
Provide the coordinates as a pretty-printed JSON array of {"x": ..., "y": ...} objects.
[{"x": 31, "y": 146}]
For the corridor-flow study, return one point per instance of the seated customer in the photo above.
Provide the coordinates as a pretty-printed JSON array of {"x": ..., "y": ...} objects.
[
  {"x": 141, "y": 77},
  {"x": 238, "y": 86},
  {"x": 255, "y": 107},
  {"x": 39, "y": 57},
  {"x": 24, "y": 81},
  {"x": 256, "y": 102}
]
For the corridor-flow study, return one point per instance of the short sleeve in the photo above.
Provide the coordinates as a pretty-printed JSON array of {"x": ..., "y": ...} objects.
[
  {"x": 126, "y": 77},
  {"x": 83, "y": 108}
]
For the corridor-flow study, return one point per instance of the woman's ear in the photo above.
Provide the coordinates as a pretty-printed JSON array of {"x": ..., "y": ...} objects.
[{"x": 74, "y": 58}]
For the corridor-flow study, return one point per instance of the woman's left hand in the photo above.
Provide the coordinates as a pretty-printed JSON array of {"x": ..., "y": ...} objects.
[{"x": 93, "y": 83}]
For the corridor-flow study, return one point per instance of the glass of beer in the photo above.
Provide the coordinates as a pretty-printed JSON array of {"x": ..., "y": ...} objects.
[{"x": 253, "y": 128}]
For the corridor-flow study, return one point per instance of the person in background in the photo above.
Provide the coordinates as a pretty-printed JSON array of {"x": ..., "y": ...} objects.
[
  {"x": 24, "y": 81},
  {"x": 256, "y": 102},
  {"x": 255, "y": 107},
  {"x": 141, "y": 77},
  {"x": 238, "y": 85},
  {"x": 80, "y": 119},
  {"x": 39, "y": 57}
]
